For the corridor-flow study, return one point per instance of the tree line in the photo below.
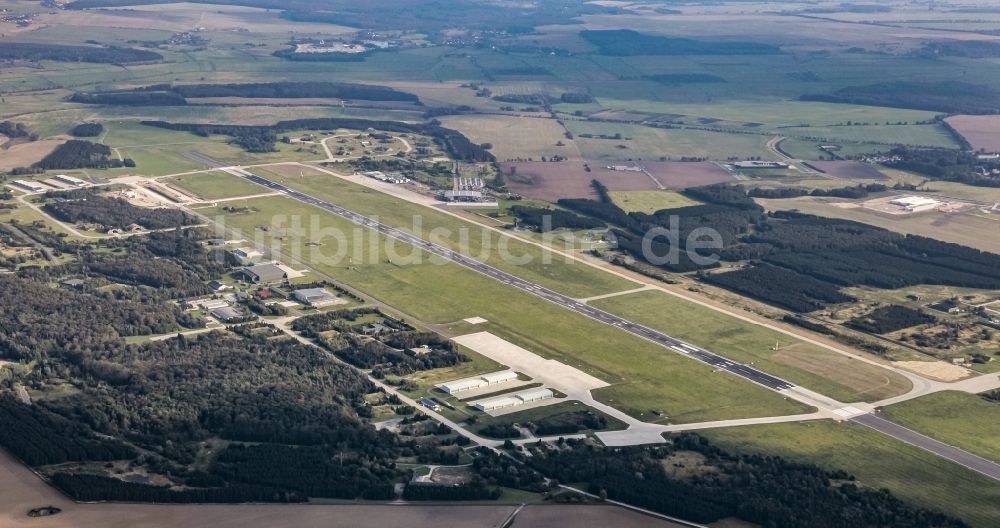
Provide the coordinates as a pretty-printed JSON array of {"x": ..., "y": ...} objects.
[
  {"x": 56, "y": 52},
  {"x": 178, "y": 94},
  {"x": 264, "y": 137},
  {"x": 80, "y": 154},
  {"x": 87, "y": 205}
]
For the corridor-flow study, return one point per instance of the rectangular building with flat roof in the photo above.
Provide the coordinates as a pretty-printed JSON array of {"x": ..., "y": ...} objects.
[
  {"x": 476, "y": 382},
  {"x": 30, "y": 185},
  {"x": 69, "y": 180}
]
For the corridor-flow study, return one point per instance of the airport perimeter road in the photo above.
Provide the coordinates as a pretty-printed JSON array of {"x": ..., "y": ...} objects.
[
  {"x": 675, "y": 345},
  {"x": 941, "y": 449}
]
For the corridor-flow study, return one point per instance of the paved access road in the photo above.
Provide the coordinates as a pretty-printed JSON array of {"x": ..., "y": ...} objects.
[
  {"x": 941, "y": 449},
  {"x": 676, "y": 345}
]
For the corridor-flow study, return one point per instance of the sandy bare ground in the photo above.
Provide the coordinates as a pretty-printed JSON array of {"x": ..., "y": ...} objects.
[
  {"x": 24, "y": 154},
  {"x": 963, "y": 227},
  {"x": 982, "y": 132},
  {"x": 938, "y": 370}
]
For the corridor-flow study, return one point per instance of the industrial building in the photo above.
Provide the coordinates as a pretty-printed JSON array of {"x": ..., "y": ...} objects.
[
  {"x": 915, "y": 204},
  {"x": 486, "y": 380},
  {"x": 226, "y": 314},
  {"x": 30, "y": 185},
  {"x": 69, "y": 180},
  {"x": 247, "y": 254},
  {"x": 315, "y": 297},
  {"x": 262, "y": 274},
  {"x": 760, "y": 165},
  {"x": 461, "y": 196},
  {"x": 515, "y": 399}
]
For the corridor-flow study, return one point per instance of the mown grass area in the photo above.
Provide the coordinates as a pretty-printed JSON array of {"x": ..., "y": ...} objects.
[
  {"x": 645, "y": 376},
  {"x": 215, "y": 185},
  {"x": 963, "y": 420},
  {"x": 506, "y": 253},
  {"x": 641, "y": 142},
  {"x": 878, "y": 461},
  {"x": 650, "y": 201},
  {"x": 835, "y": 375}
]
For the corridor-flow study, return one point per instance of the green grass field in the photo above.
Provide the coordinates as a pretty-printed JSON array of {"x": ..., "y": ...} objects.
[
  {"x": 813, "y": 367},
  {"x": 645, "y": 376},
  {"x": 650, "y": 201},
  {"x": 878, "y": 461},
  {"x": 528, "y": 261},
  {"x": 648, "y": 143},
  {"x": 957, "y": 418},
  {"x": 215, "y": 185}
]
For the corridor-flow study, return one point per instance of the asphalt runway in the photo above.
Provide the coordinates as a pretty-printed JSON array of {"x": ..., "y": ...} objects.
[
  {"x": 941, "y": 449},
  {"x": 673, "y": 344}
]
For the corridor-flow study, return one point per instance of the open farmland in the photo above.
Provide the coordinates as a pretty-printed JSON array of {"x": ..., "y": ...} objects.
[
  {"x": 679, "y": 175},
  {"x": 25, "y": 154},
  {"x": 848, "y": 170},
  {"x": 516, "y": 138},
  {"x": 650, "y": 201},
  {"x": 982, "y": 132},
  {"x": 569, "y": 179},
  {"x": 647, "y": 143}
]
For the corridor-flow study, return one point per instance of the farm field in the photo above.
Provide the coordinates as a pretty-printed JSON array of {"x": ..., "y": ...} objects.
[
  {"x": 214, "y": 185},
  {"x": 516, "y": 138},
  {"x": 772, "y": 113},
  {"x": 976, "y": 231},
  {"x": 960, "y": 419},
  {"x": 840, "y": 377},
  {"x": 26, "y": 154},
  {"x": 679, "y": 175},
  {"x": 931, "y": 135},
  {"x": 647, "y": 143},
  {"x": 568, "y": 179},
  {"x": 982, "y": 132},
  {"x": 650, "y": 201},
  {"x": 877, "y": 461},
  {"x": 527, "y": 260},
  {"x": 644, "y": 375}
]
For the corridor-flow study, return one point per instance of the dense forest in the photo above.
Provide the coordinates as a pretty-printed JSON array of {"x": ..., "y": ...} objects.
[
  {"x": 177, "y": 94},
  {"x": 940, "y": 96},
  {"x": 540, "y": 219},
  {"x": 16, "y": 130},
  {"x": 813, "y": 257},
  {"x": 79, "y": 154},
  {"x": 886, "y": 319},
  {"x": 262, "y": 138},
  {"x": 54, "y": 52},
  {"x": 765, "y": 491},
  {"x": 625, "y": 42},
  {"x": 87, "y": 205},
  {"x": 87, "y": 130},
  {"x": 947, "y": 165},
  {"x": 390, "y": 353}
]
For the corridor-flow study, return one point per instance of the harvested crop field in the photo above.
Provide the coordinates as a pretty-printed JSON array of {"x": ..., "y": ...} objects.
[
  {"x": 24, "y": 491},
  {"x": 848, "y": 170},
  {"x": 982, "y": 132},
  {"x": 569, "y": 179},
  {"x": 679, "y": 175},
  {"x": 25, "y": 154},
  {"x": 586, "y": 517}
]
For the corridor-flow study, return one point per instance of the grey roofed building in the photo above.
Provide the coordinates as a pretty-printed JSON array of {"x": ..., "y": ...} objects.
[
  {"x": 317, "y": 297},
  {"x": 262, "y": 274},
  {"x": 72, "y": 283},
  {"x": 227, "y": 313}
]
